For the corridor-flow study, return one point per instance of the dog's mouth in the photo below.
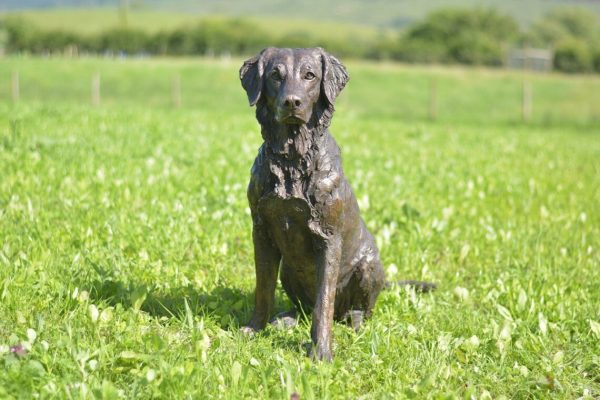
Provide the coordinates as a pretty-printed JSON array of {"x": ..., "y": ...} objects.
[
  {"x": 292, "y": 120},
  {"x": 290, "y": 117}
]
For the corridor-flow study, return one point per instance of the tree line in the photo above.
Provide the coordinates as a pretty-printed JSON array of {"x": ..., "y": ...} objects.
[{"x": 447, "y": 36}]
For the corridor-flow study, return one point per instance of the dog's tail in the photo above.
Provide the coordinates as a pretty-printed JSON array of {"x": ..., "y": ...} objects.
[{"x": 419, "y": 286}]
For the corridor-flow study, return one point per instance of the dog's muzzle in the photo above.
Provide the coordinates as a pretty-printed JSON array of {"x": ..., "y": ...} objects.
[{"x": 291, "y": 111}]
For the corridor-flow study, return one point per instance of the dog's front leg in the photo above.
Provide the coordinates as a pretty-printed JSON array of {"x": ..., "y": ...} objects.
[
  {"x": 328, "y": 260},
  {"x": 266, "y": 259}
]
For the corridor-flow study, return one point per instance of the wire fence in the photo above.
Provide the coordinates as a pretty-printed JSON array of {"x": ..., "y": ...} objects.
[{"x": 428, "y": 94}]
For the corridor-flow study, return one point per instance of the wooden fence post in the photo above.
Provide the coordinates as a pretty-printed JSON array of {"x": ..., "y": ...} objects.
[
  {"x": 526, "y": 101},
  {"x": 176, "y": 90},
  {"x": 15, "y": 87},
  {"x": 96, "y": 89},
  {"x": 433, "y": 99}
]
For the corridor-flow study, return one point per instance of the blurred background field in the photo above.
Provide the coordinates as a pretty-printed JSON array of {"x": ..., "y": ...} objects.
[
  {"x": 462, "y": 95},
  {"x": 539, "y": 35},
  {"x": 380, "y": 13}
]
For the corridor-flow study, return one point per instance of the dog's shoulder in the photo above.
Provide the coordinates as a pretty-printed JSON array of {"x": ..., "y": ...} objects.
[
  {"x": 329, "y": 157},
  {"x": 258, "y": 176}
]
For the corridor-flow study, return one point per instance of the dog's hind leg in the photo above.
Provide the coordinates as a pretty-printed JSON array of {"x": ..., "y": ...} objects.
[
  {"x": 356, "y": 301},
  {"x": 355, "y": 319}
]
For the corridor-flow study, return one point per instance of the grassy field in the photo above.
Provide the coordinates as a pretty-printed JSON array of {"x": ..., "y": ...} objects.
[{"x": 126, "y": 260}]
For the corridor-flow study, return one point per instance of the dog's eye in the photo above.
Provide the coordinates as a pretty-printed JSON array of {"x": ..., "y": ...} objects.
[
  {"x": 276, "y": 75},
  {"x": 309, "y": 76}
]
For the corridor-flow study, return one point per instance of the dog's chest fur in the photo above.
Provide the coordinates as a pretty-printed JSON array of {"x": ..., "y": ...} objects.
[{"x": 297, "y": 174}]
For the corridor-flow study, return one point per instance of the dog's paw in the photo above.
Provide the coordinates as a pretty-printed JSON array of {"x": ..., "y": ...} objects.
[
  {"x": 320, "y": 353},
  {"x": 285, "y": 320},
  {"x": 248, "y": 331}
]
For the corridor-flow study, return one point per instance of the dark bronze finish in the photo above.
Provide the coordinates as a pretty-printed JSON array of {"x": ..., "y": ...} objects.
[{"x": 306, "y": 222}]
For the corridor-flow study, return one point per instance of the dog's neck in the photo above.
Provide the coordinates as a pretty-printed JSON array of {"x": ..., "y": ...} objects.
[
  {"x": 291, "y": 142},
  {"x": 292, "y": 150}
]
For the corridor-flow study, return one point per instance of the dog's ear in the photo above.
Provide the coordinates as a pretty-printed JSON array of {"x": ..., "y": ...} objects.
[
  {"x": 335, "y": 76},
  {"x": 251, "y": 75}
]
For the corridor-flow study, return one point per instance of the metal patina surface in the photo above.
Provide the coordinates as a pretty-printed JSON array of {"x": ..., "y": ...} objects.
[{"x": 306, "y": 222}]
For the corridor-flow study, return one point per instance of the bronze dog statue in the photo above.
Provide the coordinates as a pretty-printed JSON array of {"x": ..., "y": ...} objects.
[{"x": 306, "y": 221}]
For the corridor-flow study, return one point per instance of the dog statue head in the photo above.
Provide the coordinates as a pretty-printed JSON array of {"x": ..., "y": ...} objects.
[{"x": 293, "y": 86}]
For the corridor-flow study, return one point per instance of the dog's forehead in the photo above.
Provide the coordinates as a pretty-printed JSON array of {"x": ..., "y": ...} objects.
[{"x": 295, "y": 57}]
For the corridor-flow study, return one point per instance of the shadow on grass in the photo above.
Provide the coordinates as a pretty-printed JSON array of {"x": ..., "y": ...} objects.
[{"x": 228, "y": 306}]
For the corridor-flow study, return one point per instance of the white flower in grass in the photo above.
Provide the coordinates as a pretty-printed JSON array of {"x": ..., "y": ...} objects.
[
  {"x": 447, "y": 212},
  {"x": 522, "y": 301},
  {"x": 106, "y": 315},
  {"x": 31, "y": 335},
  {"x": 178, "y": 206},
  {"x": 506, "y": 332},
  {"x": 100, "y": 174},
  {"x": 464, "y": 252},
  {"x": 150, "y": 375},
  {"x": 461, "y": 293},
  {"x": 50, "y": 387},
  {"x": 595, "y": 327},
  {"x": 363, "y": 202},
  {"x": 558, "y": 357},
  {"x": 473, "y": 342},
  {"x": 386, "y": 233},
  {"x": 143, "y": 255},
  {"x": 93, "y": 313},
  {"x": 93, "y": 365},
  {"x": 522, "y": 369},
  {"x": 223, "y": 249},
  {"x": 543, "y": 324},
  {"x": 470, "y": 187},
  {"x": 84, "y": 296},
  {"x": 392, "y": 269}
]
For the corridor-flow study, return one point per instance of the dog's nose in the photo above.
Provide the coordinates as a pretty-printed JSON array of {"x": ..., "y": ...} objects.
[{"x": 292, "y": 101}]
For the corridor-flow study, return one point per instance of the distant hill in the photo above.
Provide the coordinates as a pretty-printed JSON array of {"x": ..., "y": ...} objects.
[
  {"x": 380, "y": 13},
  {"x": 95, "y": 20},
  {"x": 16, "y": 5}
]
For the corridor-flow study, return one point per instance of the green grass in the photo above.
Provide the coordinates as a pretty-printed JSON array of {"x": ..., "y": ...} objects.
[
  {"x": 377, "y": 91},
  {"x": 126, "y": 260}
]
